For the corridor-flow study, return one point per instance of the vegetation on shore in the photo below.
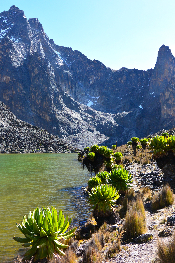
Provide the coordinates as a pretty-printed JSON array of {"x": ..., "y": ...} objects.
[
  {"x": 45, "y": 233},
  {"x": 118, "y": 210}
]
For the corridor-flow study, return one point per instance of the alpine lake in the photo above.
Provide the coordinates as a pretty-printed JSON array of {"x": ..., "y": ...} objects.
[{"x": 28, "y": 181}]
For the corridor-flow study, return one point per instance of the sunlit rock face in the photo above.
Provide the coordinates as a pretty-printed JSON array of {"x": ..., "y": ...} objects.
[{"x": 78, "y": 99}]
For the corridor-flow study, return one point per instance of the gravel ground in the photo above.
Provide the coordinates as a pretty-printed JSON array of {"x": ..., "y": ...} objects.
[
  {"x": 156, "y": 222},
  {"x": 146, "y": 252}
]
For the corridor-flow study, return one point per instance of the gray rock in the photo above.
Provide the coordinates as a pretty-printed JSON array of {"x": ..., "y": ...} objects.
[
  {"x": 171, "y": 220},
  {"x": 165, "y": 233},
  {"x": 144, "y": 238},
  {"x": 21, "y": 137}
]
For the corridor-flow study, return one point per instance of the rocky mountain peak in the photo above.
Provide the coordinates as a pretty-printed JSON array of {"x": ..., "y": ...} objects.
[
  {"x": 34, "y": 23},
  {"x": 13, "y": 24},
  {"x": 14, "y": 8},
  {"x": 164, "y": 56},
  {"x": 164, "y": 50},
  {"x": 80, "y": 100},
  {"x": 163, "y": 71},
  {"x": 14, "y": 11},
  {"x": 14, "y": 14}
]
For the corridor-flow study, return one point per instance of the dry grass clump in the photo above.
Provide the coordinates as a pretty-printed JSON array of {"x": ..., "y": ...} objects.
[
  {"x": 91, "y": 255},
  {"x": 103, "y": 244},
  {"x": 146, "y": 193},
  {"x": 143, "y": 156},
  {"x": 70, "y": 257},
  {"x": 166, "y": 252},
  {"x": 163, "y": 198},
  {"x": 127, "y": 159},
  {"x": 129, "y": 197},
  {"x": 135, "y": 220}
]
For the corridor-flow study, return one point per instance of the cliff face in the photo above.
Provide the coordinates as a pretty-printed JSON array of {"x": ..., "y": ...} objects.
[{"x": 80, "y": 100}]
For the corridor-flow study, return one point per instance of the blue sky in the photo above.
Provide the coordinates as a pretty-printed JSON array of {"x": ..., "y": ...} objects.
[{"x": 119, "y": 33}]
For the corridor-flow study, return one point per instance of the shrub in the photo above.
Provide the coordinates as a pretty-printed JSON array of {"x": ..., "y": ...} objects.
[
  {"x": 109, "y": 163},
  {"x": 135, "y": 139},
  {"x": 163, "y": 198},
  {"x": 160, "y": 145},
  {"x": 102, "y": 150},
  {"x": 129, "y": 143},
  {"x": 86, "y": 149},
  {"x": 120, "y": 179},
  {"x": 144, "y": 141},
  {"x": 43, "y": 230},
  {"x": 103, "y": 176},
  {"x": 165, "y": 134},
  {"x": 102, "y": 199},
  {"x": 135, "y": 220},
  {"x": 118, "y": 156},
  {"x": 105, "y": 151},
  {"x": 93, "y": 182},
  {"x": 91, "y": 156},
  {"x": 138, "y": 146},
  {"x": 171, "y": 143},
  {"x": 117, "y": 166},
  {"x": 94, "y": 148},
  {"x": 114, "y": 147},
  {"x": 166, "y": 251}
]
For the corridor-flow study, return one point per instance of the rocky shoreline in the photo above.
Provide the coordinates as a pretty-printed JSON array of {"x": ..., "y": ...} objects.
[
  {"x": 160, "y": 224},
  {"x": 147, "y": 176},
  {"x": 157, "y": 222},
  {"x": 17, "y": 136},
  {"x": 144, "y": 175}
]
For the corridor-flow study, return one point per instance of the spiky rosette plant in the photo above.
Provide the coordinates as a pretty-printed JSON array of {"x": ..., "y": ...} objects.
[
  {"x": 91, "y": 156},
  {"x": 94, "y": 148},
  {"x": 135, "y": 140},
  {"x": 120, "y": 179},
  {"x": 102, "y": 199},
  {"x": 103, "y": 176},
  {"x": 93, "y": 182},
  {"x": 45, "y": 232},
  {"x": 144, "y": 142},
  {"x": 118, "y": 156}
]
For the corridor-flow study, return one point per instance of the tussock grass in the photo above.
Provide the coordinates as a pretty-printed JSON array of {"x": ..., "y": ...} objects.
[
  {"x": 146, "y": 193},
  {"x": 135, "y": 220},
  {"x": 143, "y": 156},
  {"x": 166, "y": 252},
  {"x": 129, "y": 197},
  {"x": 103, "y": 245},
  {"x": 70, "y": 257},
  {"x": 163, "y": 198}
]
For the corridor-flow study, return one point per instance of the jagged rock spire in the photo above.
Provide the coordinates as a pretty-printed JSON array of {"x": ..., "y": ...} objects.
[{"x": 164, "y": 55}]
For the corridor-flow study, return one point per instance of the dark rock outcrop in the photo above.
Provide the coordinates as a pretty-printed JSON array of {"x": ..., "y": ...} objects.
[
  {"x": 78, "y": 99},
  {"x": 17, "y": 136}
]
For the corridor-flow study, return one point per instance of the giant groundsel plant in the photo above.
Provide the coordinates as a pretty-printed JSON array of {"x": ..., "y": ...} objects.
[{"x": 45, "y": 232}]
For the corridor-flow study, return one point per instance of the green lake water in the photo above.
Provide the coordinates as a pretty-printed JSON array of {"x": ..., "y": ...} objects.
[{"x": 28, "y": 181}]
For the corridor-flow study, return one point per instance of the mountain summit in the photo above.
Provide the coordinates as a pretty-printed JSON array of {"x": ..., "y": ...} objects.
[{"x": 80, "y": 100}]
